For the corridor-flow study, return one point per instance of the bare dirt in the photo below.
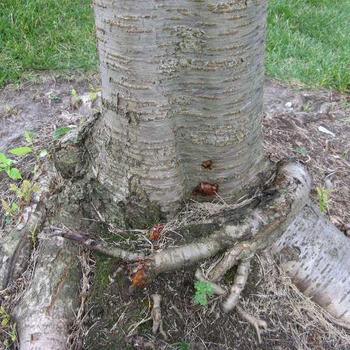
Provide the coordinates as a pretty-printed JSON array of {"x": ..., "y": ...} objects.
[{"x": 311, "y": 126}]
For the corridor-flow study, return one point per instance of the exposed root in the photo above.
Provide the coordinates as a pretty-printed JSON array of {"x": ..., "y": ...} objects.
[
  {"x": 225, "y": 263},
  {"x": 259, "y": 228},
  {"x": 255, "y": 322},
  {"x": 239, "y": 283},
  {"x": 97, "y": 245},
  {"x": 218, "y": 290},
  {"x": 157, "y": 316},
  {"x": 16, "y": 247}
]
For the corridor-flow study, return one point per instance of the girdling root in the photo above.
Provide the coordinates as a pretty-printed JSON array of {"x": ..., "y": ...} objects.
[{"x": 236, "y": 240}]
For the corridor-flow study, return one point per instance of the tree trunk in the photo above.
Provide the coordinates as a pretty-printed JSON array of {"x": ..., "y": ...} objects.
[
  {"x": 182, "y": 90},
  {"x": 182, "y": 86}
]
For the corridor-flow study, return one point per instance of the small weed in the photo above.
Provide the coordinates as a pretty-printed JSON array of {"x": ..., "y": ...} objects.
[
  {"x": 29, "y": 136},
  {"x": 6, "y": 166},
  {"x": 8, "y": 330},
  {"x": 301, "y": 150},
  {"x": 60, "y": 132},
  {"x": 182, "y": 345},
  {"x": 323, "y": 198},
  {"x": 21, "y": 151},
  {"x": 25, "y": 190},
  {"x": 93, "y": 93},
  {"x": 75, "y": 100},
  {"x": 307, "y": 107},
  {"x": 203, "y": 291},
  {"x": 11, "y": 209}
]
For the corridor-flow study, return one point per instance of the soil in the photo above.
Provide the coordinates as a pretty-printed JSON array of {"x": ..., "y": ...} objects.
[{"x": 313, "y": 127}]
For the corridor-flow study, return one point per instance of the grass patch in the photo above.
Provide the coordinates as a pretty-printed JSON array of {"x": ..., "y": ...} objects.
[
  {"x": 45, "y": 35},
  {"x": 308, "y": 40}
]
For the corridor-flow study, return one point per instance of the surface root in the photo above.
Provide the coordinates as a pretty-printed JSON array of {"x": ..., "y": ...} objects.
[
  {"x": 255, "y": 322},
  {"x": 239, "y": 283}
]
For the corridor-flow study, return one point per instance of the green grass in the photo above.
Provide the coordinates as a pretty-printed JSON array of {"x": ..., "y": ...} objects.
[
  {"x": 45, "y": 35},
  {"x": 308, "y": 40}
]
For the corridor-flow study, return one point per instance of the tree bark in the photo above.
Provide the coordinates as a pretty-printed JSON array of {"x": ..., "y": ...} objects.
[
  {"x": 316, "y": 256},
  {"x": 182, "y": 84},
  {"x": 47, "y": 308}
]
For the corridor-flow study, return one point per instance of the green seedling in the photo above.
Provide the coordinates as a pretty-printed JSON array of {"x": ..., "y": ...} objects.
[
  {"x": 60, "y": 132},
  {"x": 203, "y": 291},
  {"x": 6, "y": 166},
  {"x": 182, "y": 345}
]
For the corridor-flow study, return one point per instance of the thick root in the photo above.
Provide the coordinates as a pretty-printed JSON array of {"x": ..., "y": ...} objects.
[
  {"x": 260, "y": 227},
  {"x": 239, "y": 283},
  {"x": 46, "y": 310},
  {"x": 315, "y": 254},
  {"x": 217, "y": 289},
  {"x": 16, "y": 246},
  {"x": 230, "y": 259}
]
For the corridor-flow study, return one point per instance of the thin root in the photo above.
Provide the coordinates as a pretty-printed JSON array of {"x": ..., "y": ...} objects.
[
  {"x": 157, "y": 316},
  {"x": 255, "y": 322}
]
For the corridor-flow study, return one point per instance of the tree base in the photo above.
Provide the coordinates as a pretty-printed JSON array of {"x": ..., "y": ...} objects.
[{"x": 243, "y": 229}]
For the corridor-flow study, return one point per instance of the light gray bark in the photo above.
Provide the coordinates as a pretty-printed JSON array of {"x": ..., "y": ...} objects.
[
  {"x": 16, "y": 243},
  {"x": 46, "y": 310},
  {"x": 182, "y": 83},
  {"x": 316, "y": 256}
]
